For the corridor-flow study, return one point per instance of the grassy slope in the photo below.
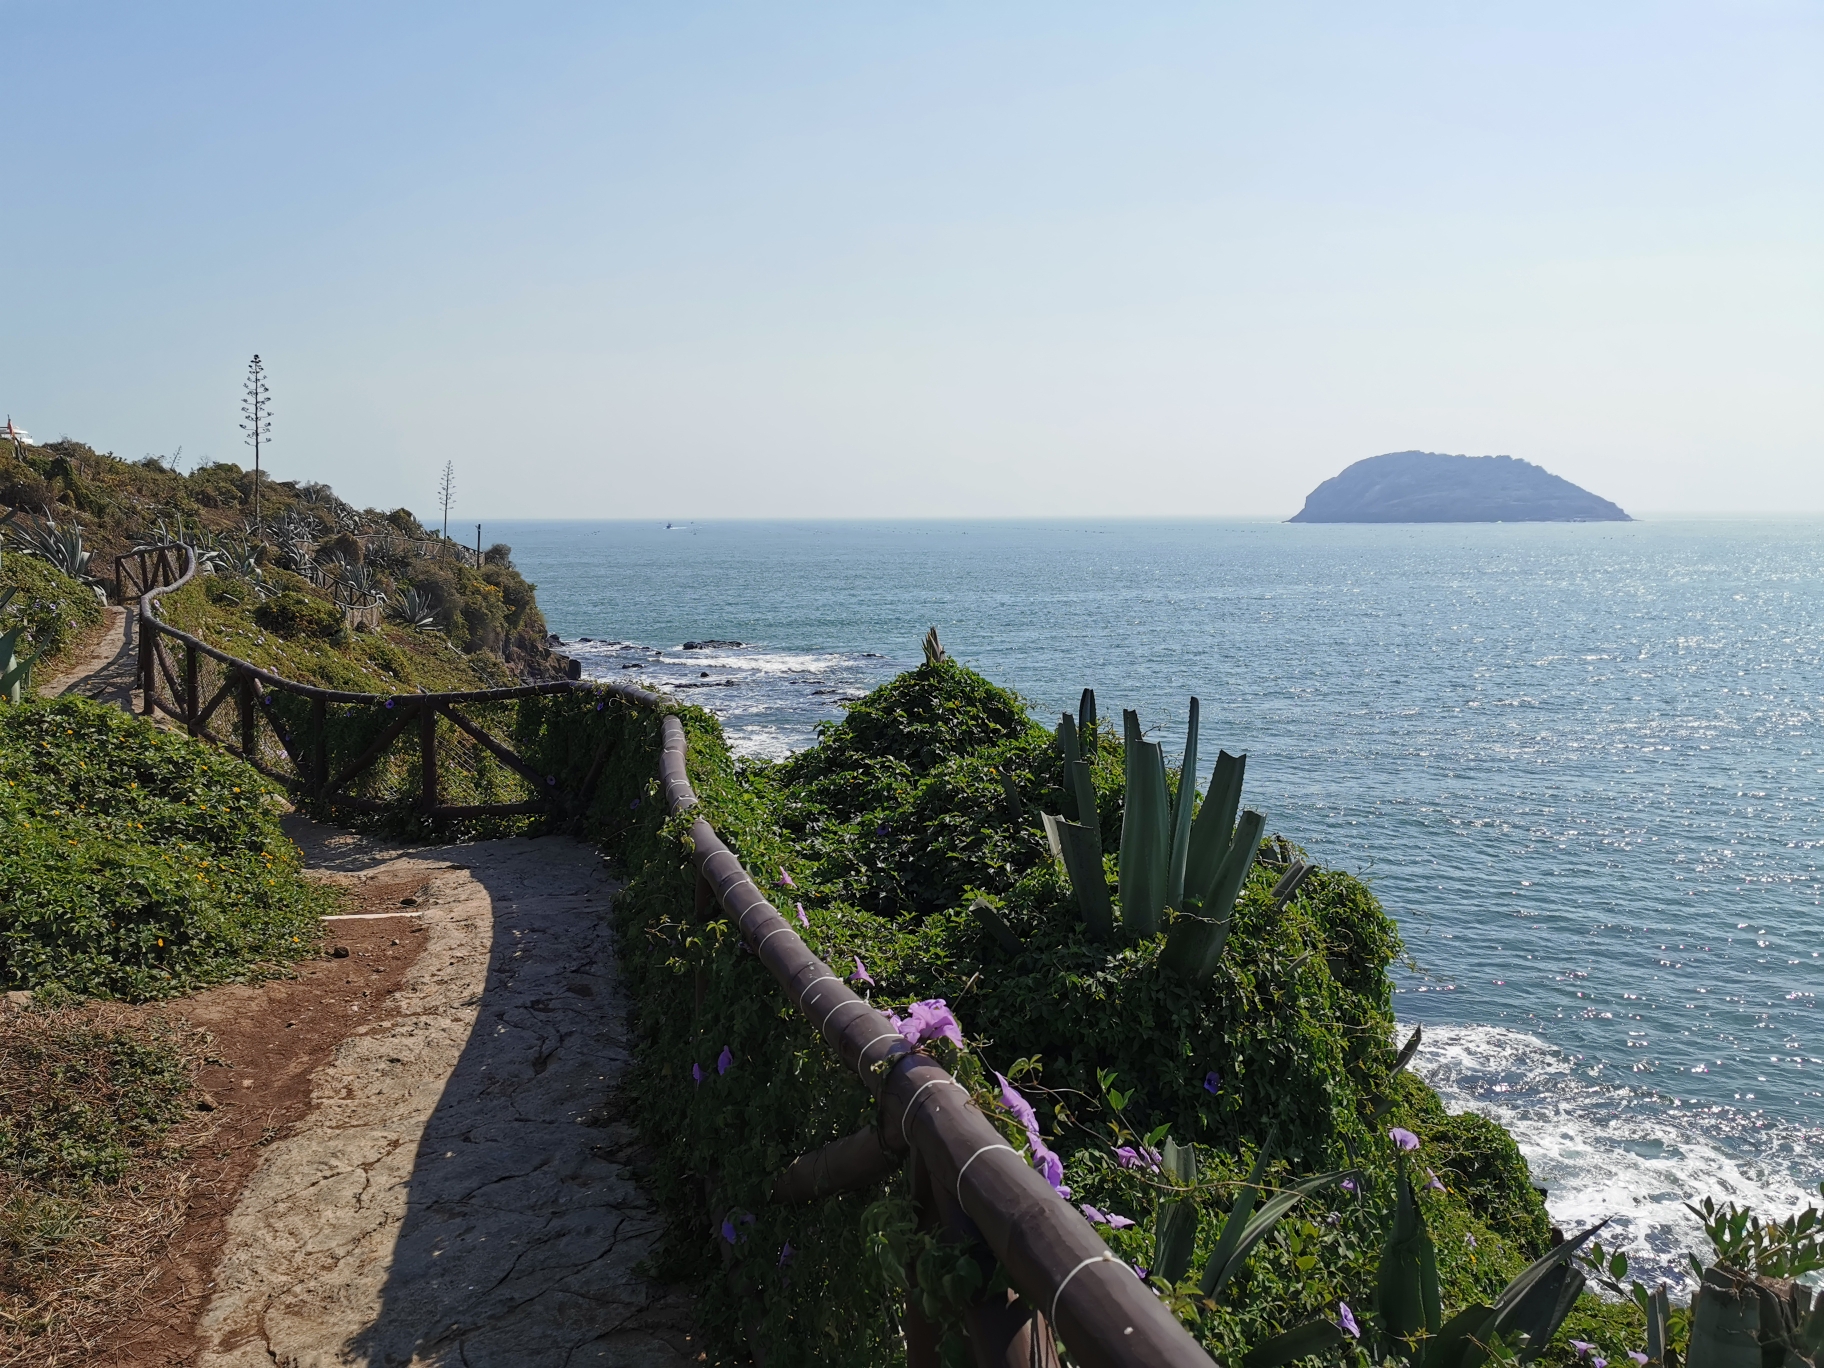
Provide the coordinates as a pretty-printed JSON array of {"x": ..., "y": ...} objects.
[
  {"x": 55, "y": 609},
  {"x": 225, "y": 612},
  {"x": 136, "y": 863}
]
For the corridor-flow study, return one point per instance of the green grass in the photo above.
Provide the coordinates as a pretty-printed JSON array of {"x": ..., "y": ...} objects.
[
  {"x": 226, "y": 612},
  {"x": 54, "y": 608},
  {"x": 138, "y": 864}
]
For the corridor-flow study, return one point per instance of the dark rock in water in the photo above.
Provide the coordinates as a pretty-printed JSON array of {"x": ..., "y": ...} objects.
[
  {"x": 1424, "y": 486},
  {"x": 711, "y": 645}
]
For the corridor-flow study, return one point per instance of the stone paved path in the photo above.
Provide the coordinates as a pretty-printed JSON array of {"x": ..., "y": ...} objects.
[{"x": 459, "y": 1193}]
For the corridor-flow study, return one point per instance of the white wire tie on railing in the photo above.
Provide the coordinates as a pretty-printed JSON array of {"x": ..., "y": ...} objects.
[
  {"x": 769, "y": 935},
  {"x": 905, "y": 1117},
  {"x": 1103, "y": 1257},
  {"x": 846, "y": 1002},
  {"x": 805, "y": 992},
  {"x": 971, "y": 1159},
  {"x": 861, "y": 1062}
]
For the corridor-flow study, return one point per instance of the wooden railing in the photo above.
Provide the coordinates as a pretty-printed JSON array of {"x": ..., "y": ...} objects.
[{"x": 966, "y": 1177}]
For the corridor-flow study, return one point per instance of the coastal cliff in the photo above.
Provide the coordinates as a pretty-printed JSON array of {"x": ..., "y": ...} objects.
[{"x": 1425, "y": 486}]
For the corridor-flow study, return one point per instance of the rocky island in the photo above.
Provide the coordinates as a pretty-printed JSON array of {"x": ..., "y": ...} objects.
[{"x": 1426, "y": 486}]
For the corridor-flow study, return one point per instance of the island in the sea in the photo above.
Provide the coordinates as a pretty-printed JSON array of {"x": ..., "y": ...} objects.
[{"x": 1425, "y": 486}]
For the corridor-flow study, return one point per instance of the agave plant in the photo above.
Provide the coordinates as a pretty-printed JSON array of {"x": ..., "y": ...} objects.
[
  {"x": 413, "y": 609},
  {"x": 60, "y": 545},
  {"x": 357, "y": 578},
  {"x": 1176, "y": 870},
  {"x": 15, "y": 669}
]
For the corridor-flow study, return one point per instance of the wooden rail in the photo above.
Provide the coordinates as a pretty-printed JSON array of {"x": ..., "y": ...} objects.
[{"x": 966, "y": 1177}]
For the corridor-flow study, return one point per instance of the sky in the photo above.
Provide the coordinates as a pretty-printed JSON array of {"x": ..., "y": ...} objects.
[{"x": 701, "y": 260}]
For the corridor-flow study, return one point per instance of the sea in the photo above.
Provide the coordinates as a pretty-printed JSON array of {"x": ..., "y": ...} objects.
[{"x": 1579, "y": 763}]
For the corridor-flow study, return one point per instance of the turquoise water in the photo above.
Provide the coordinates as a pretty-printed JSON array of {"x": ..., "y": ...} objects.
[{"x": 1580, "y": 763}]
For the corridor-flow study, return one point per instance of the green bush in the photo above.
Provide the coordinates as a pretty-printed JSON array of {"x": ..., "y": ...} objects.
[
  {"x": 139, "y": 864},
  {"x": 295, "y": 616},
  {"x": 925, "y": 798},
  {"x": 54, "y": 608}
]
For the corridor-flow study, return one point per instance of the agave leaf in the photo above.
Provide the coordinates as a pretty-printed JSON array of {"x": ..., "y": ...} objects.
[
  {"x": 1213, "y": 831},
  {"x": 1216, "y": 1271},
  {"x": 1229, "y": 879},
  {"x": 1067, "y": 739},
  {"x": 1407, "y": 1283},
  {"x": 1516, "y": 1291},
  {"x": 1457, "y": 1342},
  {"x": 1261, "y": 1223},
  {"x": 1016, "y": 810},
  {"x": 1725, "y": 1324},
  {"x": 15, "y": 670},
  {"x": 1659, "y": 1311},
  {"x": 1175, "y": 1221},
  {"x": 1540, "y": 1313},
  {"x": 1080, "y": 848},
  {"x": 1408, "y": 1050},
  {"x": 1145, "y": 834},
  {"x": 1313, "y": 1337},
  {"x": 995, "y": 924},
  {"x": 1180, "y": 826},
  {"x": 1084, "y": 788},
  {"x": 1086, "y": 713},
  {"x": 1289, "y": 882}
]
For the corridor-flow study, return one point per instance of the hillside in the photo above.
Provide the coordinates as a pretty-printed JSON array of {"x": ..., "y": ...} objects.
[
  {"x": 1425, "y": 486},
  {"x": 270, "y": 591}
]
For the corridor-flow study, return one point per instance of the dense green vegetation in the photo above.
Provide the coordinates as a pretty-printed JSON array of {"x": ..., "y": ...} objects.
[
  {"x": 53, "y": 609},
  {"x": 138, "y": 864},
  {"x": 923, "y": 803},
  {"x": 488, "y": 615}
]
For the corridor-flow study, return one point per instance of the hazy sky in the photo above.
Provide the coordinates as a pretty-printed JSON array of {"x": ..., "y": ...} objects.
[{"x": 686, "y": 260}]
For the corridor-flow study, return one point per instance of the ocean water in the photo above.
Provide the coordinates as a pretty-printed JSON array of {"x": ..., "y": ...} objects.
[{"x": 1579, "y": 763}]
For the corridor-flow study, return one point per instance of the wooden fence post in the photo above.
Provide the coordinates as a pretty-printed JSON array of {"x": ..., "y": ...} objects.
[
  {"x": 319, "y": 746},
  {"x": 148, "y": 666},
  {"x": 191, "y": 706},
  {"x": 249, "y": 720},
  {"x": 427, "y": 754}
]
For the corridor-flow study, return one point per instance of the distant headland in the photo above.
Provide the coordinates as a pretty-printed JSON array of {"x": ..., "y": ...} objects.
[{"x": 1425, "y": 486}]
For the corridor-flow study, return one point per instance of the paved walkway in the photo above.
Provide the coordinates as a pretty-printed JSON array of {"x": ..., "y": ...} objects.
[{"x": 459, "y": 1192}]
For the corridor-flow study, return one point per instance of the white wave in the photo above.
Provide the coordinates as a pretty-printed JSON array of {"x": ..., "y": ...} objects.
[
  {"x": 1630, "y": 1154},
  {"x": 760, "y": 662},
  {"x": 761, "y": 741}
]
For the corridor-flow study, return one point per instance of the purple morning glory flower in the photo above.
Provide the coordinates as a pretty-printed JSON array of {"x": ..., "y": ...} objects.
[
  {"x": 724, "y": 1061},
  {"x": 634, "y": 804},
  {"x": 1143, "y": 1157},
  {"x": 1095, "y": 1217},
  {"x": 1582, "y": 1347},
  {"x": 1404, "y": 1138},
  {"x": 1345, "y": 1321},
  {"x": 1118, "y": 1222},
  {"x": 696, "y": 1072},
  {"x": 861, "y": 974},
  {"x": 1212, "y": 1081},
  {"x": 1348, "y": 1185},
  {"x": 785, "y": 1253},
  {"x": 1599, "y": 1363},
  {"x": 728, "y": 1231},
  {"x": 1638, "y": 1357},
  {"x": 927, "y": 1020},
  {"x": 1470, "y": 1240},
  {"x": 801, "y": 917},
  {"x": 1434, "y": 1184},
  {"x": 786, "y": 879},
  {"x": 1140, "y": 1272},
  {"x": 1043, "y": 1159}
]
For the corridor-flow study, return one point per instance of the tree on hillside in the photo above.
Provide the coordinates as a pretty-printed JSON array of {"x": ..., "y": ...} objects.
[
  {"x": 446, "y": 490},
  {"x": 256, "y": 421}
]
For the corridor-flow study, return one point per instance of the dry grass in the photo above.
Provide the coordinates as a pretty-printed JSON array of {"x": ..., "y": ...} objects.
[{"x": 96, "y": 1125}]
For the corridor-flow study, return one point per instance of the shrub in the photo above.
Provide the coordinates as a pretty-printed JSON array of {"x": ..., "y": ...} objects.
[
  {"x": 53, "y": 607},
  {"x": 295, "y": 615},
  {"x": 139, "y": 864},
  {"x": 924, "y": 800}
]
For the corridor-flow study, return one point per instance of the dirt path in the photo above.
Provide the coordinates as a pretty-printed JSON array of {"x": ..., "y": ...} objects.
[
  {"x": 425, "y": 1161},
  {"x": 459, "y": 1190},
  {"x": 102, "y": 666}
]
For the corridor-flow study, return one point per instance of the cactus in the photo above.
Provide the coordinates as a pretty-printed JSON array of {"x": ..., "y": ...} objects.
[{"x": 413, "y": 609}]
